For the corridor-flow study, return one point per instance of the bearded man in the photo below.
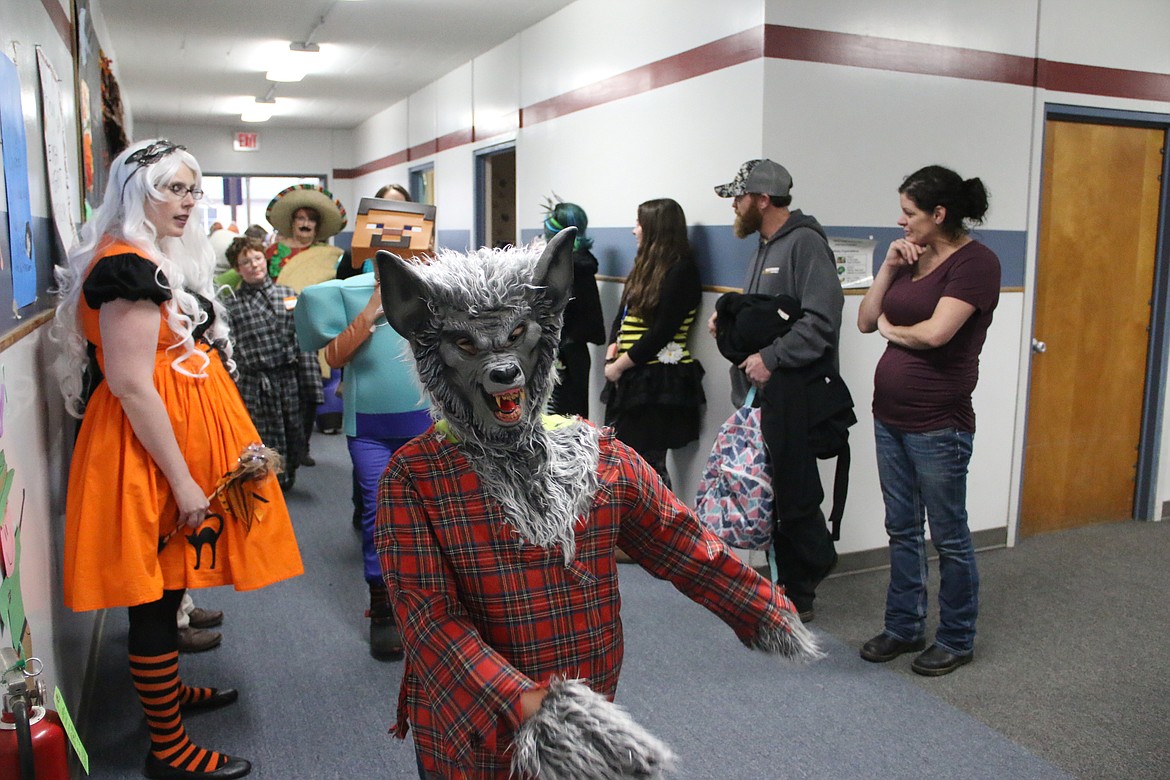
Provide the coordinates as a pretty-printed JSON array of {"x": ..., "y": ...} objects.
[{"x": 793, "y": 259}]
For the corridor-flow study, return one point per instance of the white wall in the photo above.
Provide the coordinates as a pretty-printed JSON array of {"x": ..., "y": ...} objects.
[
  {"x": 33, "y": 435},
  {"x": 1005, "y": 26},
  {"x": 592, "y": 40}
]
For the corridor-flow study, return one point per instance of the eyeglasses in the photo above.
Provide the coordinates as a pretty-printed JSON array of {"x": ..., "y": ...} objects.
[{"x": 180, "y": 191}]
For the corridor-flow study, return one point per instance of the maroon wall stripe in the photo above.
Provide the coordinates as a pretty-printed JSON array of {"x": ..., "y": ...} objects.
[
  {"x": 60, "y": 20},
  {"x": 860, "y": 51},
  {"x": 452, "y": 140},
  {"x": 863, "y": 51},
  {"x": 834, "y": 48},
  {"x": 382, "y": 162},
  {"x": 1113, "y": 82},
  {"x": 423, "y": 149},
  {"x": 708, "y": 58}
]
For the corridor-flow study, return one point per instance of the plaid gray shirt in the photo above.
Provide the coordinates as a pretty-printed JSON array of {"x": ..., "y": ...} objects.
[{"x": 275, "y": 376}]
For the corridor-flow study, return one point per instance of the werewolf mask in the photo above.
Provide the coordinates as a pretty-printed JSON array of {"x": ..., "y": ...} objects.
[{"x": 484, "y": 329}]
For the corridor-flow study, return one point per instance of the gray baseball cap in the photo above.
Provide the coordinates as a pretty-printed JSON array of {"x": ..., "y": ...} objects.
[{"x": 762, "y": 176}]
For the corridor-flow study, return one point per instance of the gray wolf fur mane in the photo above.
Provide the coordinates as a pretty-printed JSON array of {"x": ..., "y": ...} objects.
[
  {"x": 483, "y": 328},
  {"x": 578, "y": 734}
]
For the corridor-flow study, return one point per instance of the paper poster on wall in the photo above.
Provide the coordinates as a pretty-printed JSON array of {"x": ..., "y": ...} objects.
[
  {"x": 854, "y": 258},
  {"x": 62, "y": 193},
  {"x": 12, "y": 617},
  {"x": 15, "y": 152},
  {"x": 13, "y": 621},
  {"x": 94, "y": 153}
]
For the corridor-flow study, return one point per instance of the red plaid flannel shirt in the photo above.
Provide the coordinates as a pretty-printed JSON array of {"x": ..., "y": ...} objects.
[{"x": 485, "y": 616}]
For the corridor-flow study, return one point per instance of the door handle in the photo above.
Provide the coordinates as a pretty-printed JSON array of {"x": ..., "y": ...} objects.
[{"x": 1038, "y": 346}]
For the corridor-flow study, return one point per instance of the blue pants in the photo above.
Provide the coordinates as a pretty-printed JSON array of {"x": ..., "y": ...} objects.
[
  {"x": 370, "y": 457},
  {"x": 924, "y": 478}
]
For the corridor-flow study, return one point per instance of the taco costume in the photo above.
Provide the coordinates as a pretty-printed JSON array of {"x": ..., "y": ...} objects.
[{"x": 119, "y": 505}]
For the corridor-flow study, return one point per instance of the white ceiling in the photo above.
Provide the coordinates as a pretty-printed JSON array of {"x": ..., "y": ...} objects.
[{"x": 202, "y": 62}]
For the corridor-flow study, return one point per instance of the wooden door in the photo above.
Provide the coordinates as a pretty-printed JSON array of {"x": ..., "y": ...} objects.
[
  {"x": 1094, "y": 281},
  {"x": 498, "y": 195}
]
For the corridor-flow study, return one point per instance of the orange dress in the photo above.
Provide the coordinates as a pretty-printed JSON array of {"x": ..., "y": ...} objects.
[{"x": 119, "y": 504}]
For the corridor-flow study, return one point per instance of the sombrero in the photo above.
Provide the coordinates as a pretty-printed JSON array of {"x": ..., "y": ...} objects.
[{"x": 287, "y": 201}]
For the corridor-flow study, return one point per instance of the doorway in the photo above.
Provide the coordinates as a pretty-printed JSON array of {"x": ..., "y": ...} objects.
[
  {"x": 495, "y": 196},
  {"x": 243, "y": 200},
  {"x": 422, "y": 184},
  {"x": 1095, "y": 387}
]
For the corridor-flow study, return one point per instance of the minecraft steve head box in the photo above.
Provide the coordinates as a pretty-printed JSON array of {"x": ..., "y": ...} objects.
[{"x": 406, "y": 229}]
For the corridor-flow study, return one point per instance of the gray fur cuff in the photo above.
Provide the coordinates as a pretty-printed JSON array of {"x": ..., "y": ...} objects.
[
  {"x": 578, "y": 734},
  {"x": 791, "y": 640}
]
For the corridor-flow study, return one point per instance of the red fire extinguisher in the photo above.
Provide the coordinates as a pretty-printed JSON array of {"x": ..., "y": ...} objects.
[{"x": 32, "y": 739}]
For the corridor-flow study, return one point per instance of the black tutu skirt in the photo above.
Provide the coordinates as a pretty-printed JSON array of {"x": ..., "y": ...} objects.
[{"x": 657, "y": 406}]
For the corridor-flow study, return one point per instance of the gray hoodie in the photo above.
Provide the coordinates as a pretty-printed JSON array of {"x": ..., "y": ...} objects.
[{"x": 797, "y": 261}]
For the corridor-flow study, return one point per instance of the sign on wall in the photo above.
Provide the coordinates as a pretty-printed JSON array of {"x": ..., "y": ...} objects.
[
  {"x": 246, "y": 142},
  {"x": 15, "y": 153}
]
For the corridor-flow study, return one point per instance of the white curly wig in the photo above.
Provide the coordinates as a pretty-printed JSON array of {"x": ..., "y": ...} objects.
[{"x": 185, "y": 265}]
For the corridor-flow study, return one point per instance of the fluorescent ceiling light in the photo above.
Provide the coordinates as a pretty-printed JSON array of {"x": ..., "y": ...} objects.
[
  {"x": 294, "y": 64},
  {"x": 258, "y": 111},
  {"x": 285, "y": 72}
]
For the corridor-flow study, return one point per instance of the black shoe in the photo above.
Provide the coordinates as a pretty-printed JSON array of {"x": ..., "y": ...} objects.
[
  {"x": 385, "y": 639},
  {"x": 221, "y": 698},
  {"x": 936, "y": 662},
  {"x": 307, "y": 460},
  {"x": 807, "y": 615},
  {"x": 159, "y": 770},
  {"x": 884, "y": 647}
]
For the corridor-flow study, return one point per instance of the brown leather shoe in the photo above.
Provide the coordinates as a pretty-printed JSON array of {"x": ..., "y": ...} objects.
[
  {"x": 205, "y": 618},
  {"x": 196, "y": 640}
]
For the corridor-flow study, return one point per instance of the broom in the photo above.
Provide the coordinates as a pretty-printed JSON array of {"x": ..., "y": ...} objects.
[{"x": 255, "y": 463}]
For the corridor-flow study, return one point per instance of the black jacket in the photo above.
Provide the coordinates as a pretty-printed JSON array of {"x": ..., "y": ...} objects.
[{"x": 805, "y": 412}]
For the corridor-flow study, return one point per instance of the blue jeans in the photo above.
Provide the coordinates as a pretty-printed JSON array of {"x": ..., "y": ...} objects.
[
  {"x": 370, "y": 457},
  {"x": 924, "y": 478}
]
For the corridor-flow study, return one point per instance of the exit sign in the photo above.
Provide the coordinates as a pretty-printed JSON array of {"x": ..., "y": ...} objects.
[{"x": 247, "y": 142}]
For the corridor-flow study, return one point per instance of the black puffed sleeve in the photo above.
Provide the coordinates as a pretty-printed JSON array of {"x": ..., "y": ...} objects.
[{"x": 126, "y": 276}]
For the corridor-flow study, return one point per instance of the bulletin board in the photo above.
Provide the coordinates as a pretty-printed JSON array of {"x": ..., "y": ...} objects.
[
  {"x": 55, "y": 153},
  {"x": 29, "y": 242}
]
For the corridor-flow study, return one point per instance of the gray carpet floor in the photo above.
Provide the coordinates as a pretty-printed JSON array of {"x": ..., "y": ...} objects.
[{"x": 1067, "y": 681}]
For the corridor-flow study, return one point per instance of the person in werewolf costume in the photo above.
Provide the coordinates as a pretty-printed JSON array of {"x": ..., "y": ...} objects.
[{"x": 497, "y": 528}]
